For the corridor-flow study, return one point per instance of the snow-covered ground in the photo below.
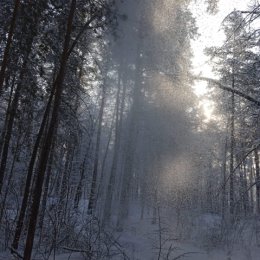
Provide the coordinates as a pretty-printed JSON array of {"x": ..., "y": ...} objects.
[{"x": 144, "y": 240}]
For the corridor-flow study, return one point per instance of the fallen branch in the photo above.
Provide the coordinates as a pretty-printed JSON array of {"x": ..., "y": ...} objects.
[
  {"x": 185, "y": 254},
  {"x": 78, "y": 250},
  {"x": 15, "y": 253}
]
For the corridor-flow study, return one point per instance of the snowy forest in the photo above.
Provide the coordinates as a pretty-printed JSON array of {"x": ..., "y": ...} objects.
[{"x": 129, "y": 129}]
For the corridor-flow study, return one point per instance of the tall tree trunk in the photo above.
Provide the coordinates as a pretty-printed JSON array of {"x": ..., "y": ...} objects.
[
  {"x": 118, "y": 130},
  {"x": 7, "y": 116},
  {"x": 245, "y": 191},
  {"x": 232, "y": 144},
  {"x": 155, "y": 205},
  {"x": 257, "y": 177},
  {"x": 224, "y": 189},
  {"x": 130, "y": 142},
  {"x": 102, "y": 182},
  {"x": 251, "y": 181},
  {"x": 92, "y": 198},
  {"x": 82, "y": 176},
  {"x": 79, "y": 188},
  {"x": 15, "y": 156},
  {"x": 19, "y": 224},
  {"x": 65, "y": 181},
  {"x": 8, "y": 45},
  {"x": 58, "y": 86},
  {"x": 241, "y": 190},
  {"x": 46, "y": 190},
  {"x": 10, "y": 121},
  {"x": 15, "y": 102}
]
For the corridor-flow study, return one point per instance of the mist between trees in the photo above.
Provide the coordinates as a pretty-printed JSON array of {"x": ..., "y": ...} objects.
[{"x": 105, "y": 150}]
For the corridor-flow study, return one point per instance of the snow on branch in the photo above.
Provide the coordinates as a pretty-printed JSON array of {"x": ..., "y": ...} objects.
[{"x": 235, "y": 91}]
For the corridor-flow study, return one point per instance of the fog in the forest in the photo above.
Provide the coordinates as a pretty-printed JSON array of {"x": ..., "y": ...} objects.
[{"x": 129, "y": 129}]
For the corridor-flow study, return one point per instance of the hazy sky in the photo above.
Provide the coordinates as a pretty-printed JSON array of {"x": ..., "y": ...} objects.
[
  {"x": 209, "y": 29},
  {"x": 210, "y": 35}
]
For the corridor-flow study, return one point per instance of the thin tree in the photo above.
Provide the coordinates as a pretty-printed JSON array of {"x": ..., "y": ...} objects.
[
  {"x": 8, "y": 45},
  {"x": 92, "y": 198},
  {"x": 58, "y": 86}
]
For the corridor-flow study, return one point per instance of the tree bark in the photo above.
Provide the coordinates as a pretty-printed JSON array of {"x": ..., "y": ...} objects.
[
  {"x": 65, "y": 182},
  {"x": 6, "y": 117},
  {"x": 10, "y": 121},
  {"x": 118, "y": 130},
  {"x": 15, "y": 156},
  {"x": 15, "y": 102},
  {"x": 234, "y": 91},
  {"x": 224, "y": 171},
  {"x": 82, "y": 176},
  {"x": 8, "y": 45},
  {"x": 232, "y": 143},
  {"x": 46, "y": 190},
  {"x": 29, "y": 176},
  {"x": 58, "y": 86},
  {"x": 92, "y": 198},
  {"x": 257, "y": 176},
  {"x": 130, "y": 142}
]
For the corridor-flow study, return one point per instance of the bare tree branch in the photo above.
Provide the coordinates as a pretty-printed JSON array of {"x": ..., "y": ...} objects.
[{"x": 235, "y": 91}]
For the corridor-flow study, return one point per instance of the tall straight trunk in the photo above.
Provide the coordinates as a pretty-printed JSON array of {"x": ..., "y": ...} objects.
[
  {"x": 224, "y": 171},
  {"x": 232, "y": 144},
  {"x": 65, "y": 181},
  {"x": 15, "y": 156},
  {"x": 79, "y": 188},
  {"x": 257, "y": 177},
  {"x": 241, "y": 190},
  {"x": 130, "y": 142},
  {"x": 245, "y": 190},
  {"x": 15, "y": 102},
  {"x": 10, "y": 121},
  {"x": 119, "y": 121},
  {"x": 7, "y": 116},
  {"x": 92, "y": 198},
  {"x": 20, "y": 221},
  {"x": 103, "y": 182},
  {"x": 209, "y": 189},
  {"x": 106, "y": 153},
  {"x": 251, "y": 193},
  {"x": 8, "y": 45},
  {"x": 55, "y": 184},
  {"x": 155, "y": 205},
  {"x": 46, "y": 189},
  {"x": 58, "y": 86}
]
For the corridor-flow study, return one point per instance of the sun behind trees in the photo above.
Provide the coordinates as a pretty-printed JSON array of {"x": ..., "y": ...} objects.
[{"x": 104, "y": 150}]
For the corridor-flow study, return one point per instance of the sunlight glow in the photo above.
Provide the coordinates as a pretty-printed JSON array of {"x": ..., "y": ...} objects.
[
  {"x": 210, "y": 35},
  {"x": 162, "y": 11},
  {"x": 207, "y": 106},
  {"x": 200, "y": 88}
]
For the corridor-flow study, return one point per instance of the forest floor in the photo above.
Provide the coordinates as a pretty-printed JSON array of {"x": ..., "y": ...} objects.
[
  {"x": 141, "y": 242},
  {"x": 144, "y": 240}
]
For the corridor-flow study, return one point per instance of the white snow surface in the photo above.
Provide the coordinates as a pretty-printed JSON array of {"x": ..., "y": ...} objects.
[{"x": 140, "y": 240}]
